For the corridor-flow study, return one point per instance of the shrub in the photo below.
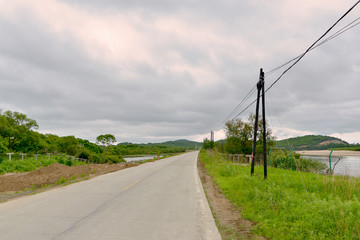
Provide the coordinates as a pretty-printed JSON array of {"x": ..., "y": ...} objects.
[
  {"x": 60, "y": 160},
  {"x": 282, "y": 159},
  {"x": 85, "y": 154},
  {"x": 69, "y": 162},
  {"x": 114, "y": 159}
]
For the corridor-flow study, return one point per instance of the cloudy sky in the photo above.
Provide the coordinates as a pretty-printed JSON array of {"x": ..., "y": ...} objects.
[{"x": 157, "y": 70}]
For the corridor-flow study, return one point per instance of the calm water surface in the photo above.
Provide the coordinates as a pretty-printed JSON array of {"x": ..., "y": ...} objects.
[
  {"x": 139, "y": 158},
  {"x": 348, "y": 165}
]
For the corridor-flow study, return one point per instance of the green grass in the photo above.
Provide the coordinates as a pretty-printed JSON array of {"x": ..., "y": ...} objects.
[
  {"x": 351, "y": 148},
  {"x": 63, "y": 180},
  {"x": 30, "y": 163},
  {"x": 290, "y": 204}
]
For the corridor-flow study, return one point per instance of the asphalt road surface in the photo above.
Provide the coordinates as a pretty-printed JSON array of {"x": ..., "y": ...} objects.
[{"x": 156, "y": 200}]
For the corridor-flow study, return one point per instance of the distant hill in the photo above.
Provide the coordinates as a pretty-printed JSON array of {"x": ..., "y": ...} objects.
[
  {"x": 311, "y": 142},
  {"x": 181, "y": 143}
]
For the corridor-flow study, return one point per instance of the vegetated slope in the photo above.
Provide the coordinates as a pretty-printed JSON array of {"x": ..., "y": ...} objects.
[
  {"x": 182, "y": 143},
  {"x": 311, "y": 142}
]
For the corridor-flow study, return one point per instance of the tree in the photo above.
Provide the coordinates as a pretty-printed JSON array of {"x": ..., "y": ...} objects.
[
  {"x": 15, "y": 126},
  {"x": 239, "y": 136},
  {"x": 207, "y": 144},
  {"x": 68, "y": 145},
  {"x": 270, "y": 139},
  {"x": 106, "y": 141}
]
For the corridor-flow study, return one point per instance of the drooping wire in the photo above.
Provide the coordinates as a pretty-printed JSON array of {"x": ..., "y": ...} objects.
[
  {"x": 316, "y": 44},
  {"x": 336, "y": 34},
  {"x": 236, "y": 108},
  {"x": 312, "y": 45}
]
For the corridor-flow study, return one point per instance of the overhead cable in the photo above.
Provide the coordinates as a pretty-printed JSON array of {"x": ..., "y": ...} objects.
[
  {"x": 236, "y": 108},
  {"x": 312, "y": 45},
  {"x": 295, "y": 60},
  {"x": 336, "y": 34}
]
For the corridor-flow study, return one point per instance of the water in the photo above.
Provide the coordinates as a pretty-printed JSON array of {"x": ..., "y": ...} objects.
[
  {"x": 140, "y": 158},
  {"x": 348, "y": 165}
]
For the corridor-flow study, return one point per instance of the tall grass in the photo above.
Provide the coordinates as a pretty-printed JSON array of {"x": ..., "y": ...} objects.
[
  {"x": 30, "y": 163},
  {"x": 290, "y": 204}
]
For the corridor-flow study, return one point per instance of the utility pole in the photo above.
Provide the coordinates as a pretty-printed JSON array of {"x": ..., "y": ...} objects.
[
  {"x": 262, "y": 79},
  {"x": 261, "y": 89},
  {"x": 212, "y": 139}
]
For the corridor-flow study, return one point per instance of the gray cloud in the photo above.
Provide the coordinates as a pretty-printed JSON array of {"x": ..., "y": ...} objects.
[{"x": 185, "y": 78}]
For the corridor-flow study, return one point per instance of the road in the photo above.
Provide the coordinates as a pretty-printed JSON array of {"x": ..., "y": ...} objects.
[{"x": 157, "y": 200}]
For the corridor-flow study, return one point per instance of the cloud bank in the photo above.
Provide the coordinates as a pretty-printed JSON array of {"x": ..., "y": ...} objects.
[{"x": 163, "y": 70}]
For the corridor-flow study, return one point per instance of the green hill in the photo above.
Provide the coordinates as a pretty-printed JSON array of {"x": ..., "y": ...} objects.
[
  {"x": 181, "y": 143},
  {"x": 311, "y": 142}
]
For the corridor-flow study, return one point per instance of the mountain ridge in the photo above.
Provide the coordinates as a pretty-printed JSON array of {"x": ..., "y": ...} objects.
[
  {"x": 183, "y": 143},
  {"x": 311, "y": 142}
]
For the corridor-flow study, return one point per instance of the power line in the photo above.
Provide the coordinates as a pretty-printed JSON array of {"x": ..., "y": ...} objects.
[
  {"x": 336, "y": 34},
  {"x": 316, "y": 44},
  {"x": 236, "y": 108},
  {"x": 312, "y": 45}
]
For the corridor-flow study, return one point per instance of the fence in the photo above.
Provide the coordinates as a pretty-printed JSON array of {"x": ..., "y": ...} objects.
[
  {"x": 240, "y": 158},
  {"x": 15, "y": 156},
  {"x": 345, "y": 165}
]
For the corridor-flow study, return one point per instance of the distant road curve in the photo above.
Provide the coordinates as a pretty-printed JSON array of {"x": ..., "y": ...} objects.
[{"x": 156, "y": 200}]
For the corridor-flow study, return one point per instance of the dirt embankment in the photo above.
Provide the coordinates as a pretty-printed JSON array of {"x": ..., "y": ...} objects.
[{"x": 50, "y": 175}]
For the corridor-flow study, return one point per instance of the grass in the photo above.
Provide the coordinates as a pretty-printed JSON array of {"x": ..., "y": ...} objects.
[
  {"x": 30, "y": 163},
  {"x": 290, "y": 204},
  {"x": 63, "y": 180},
  {"x": 350, "y": 148}
]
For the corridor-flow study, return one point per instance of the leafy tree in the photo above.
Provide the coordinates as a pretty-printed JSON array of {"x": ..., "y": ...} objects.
[
  {"x": 3, "y": 147},
  {"x": 68, "y": 145},
  {"x": 15, "y": 126},
  {"x": 106, "y": 141},
  {"x": 32, "y": 142},
  {"x": 239, "y": 136},
  {"x": 51, "y": 145},
  {"x": 208, "y": 144},
  {"x": 270, "y": 139}
]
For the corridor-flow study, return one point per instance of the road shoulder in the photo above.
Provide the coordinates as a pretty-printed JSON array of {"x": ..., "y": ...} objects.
[{"x": 226, "y": 215}]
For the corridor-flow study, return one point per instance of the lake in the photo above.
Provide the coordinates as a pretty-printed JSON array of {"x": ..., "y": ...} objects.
[
  {"x": 348, "y": 165},
  {"x": 139, "y": 158}
]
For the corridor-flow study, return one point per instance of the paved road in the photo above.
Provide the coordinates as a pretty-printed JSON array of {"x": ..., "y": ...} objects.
[{"x": 158, "y": 200}]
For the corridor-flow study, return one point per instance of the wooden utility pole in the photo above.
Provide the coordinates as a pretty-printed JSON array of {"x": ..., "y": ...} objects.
[
  {"x": 260, "y": 88},
  {"x": 212, "y": 140}
]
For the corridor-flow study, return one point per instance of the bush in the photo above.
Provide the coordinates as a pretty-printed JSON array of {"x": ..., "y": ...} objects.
[
  {"x": 282, "y": 159},
  {"x": 114, "y": 159},
  {"x": 69, "y": 162},
  {"x": 95, "y": 158},
  {"x": 85, "y": 154},
  {"x": 60, "y": 160}
]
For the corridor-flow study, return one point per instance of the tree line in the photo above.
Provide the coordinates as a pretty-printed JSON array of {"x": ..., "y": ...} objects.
[{"x": 18, "y": 135}]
